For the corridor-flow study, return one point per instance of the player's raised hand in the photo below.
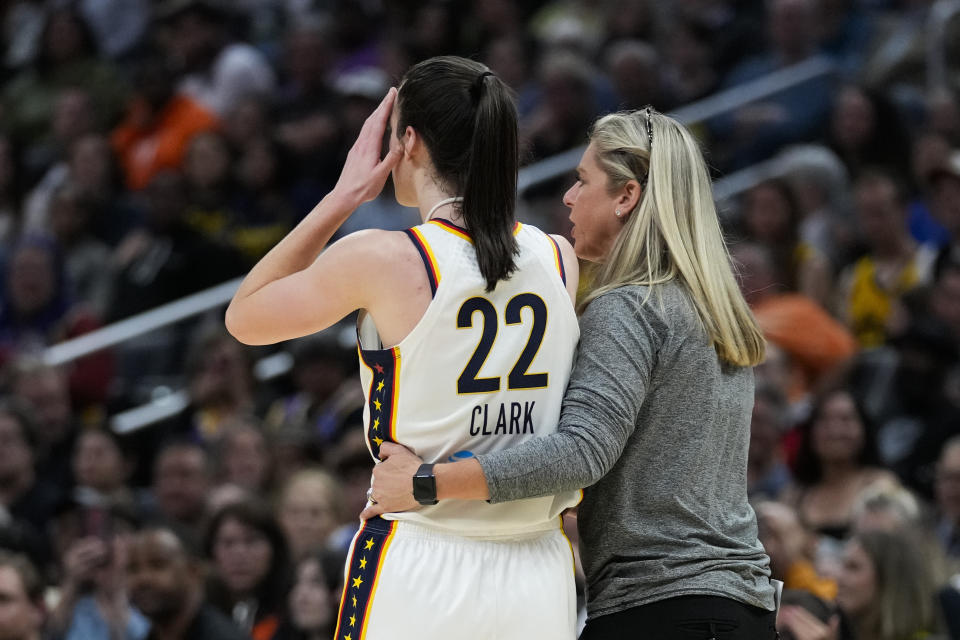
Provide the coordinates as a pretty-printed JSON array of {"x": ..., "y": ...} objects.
[
  {"x": 392, "y": 488},
  {"x": 365, "y": 172}
]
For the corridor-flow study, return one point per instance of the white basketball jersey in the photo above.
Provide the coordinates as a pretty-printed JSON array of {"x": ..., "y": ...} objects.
[{"x": 480, "y": 372}]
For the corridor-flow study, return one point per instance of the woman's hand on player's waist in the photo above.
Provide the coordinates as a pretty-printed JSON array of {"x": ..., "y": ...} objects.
[{"x": 392, "y": 488}]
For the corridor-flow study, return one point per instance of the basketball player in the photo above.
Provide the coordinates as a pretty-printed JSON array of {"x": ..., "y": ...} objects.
[
  {"x": 466, "y": 338},
  {"x": 656, "y": 418}
]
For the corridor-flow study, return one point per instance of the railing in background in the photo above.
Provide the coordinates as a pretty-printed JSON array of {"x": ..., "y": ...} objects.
[
  {"x": 941, "y": 14},
  {"x": 699, "y": 111},
  {"x": 537, "y": 173}
]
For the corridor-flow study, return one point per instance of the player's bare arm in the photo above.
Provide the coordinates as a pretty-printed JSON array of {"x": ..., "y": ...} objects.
[{"x": 271, "y": 304}]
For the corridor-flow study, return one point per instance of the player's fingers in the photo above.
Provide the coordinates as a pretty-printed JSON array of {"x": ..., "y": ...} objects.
[
  {"x": 386, "y": 165},
  {"x": 388, "y": 449},
  {"x": 372, "y": 510},
  {"x": 376, "y": 122}
]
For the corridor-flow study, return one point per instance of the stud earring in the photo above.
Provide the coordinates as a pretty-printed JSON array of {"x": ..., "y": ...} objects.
[{"x": 618, "y": 213}]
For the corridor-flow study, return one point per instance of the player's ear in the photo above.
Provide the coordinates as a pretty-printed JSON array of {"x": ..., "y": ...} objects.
[{"x": 411, "y": 141}]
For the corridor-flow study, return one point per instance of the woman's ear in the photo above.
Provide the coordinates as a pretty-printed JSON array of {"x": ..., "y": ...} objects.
[
  {"x": 410, "y": 141},
  {"x": 629, "y": 197}
]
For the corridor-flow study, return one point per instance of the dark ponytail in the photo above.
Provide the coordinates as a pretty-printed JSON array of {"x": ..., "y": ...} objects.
[{"x": 468, "y": 120}]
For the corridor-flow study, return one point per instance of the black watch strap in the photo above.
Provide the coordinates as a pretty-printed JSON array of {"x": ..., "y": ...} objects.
[{"x": 425, "y": 485}]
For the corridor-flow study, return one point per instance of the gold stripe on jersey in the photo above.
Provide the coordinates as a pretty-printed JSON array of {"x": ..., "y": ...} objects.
[{"x": 461, "y": 232}]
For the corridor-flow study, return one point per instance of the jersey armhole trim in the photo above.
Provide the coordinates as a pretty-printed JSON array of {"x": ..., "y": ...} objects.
[
  {"x": 429, "y": 260},
  {"x": 559, "y": 259}
]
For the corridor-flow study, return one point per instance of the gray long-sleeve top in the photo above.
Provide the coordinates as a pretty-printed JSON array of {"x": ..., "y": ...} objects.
[{"x": 657, "y": 429}]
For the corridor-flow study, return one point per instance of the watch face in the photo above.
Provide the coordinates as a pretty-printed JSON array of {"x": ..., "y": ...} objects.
[{"x": 425, "y": 487}]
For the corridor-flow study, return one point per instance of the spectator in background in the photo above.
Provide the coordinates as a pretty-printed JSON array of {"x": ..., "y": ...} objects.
[
  {"x": 219, "y": 70},
  {"x": 159, "y": 125},
  {"x": 944, "y": 182},
  {"x": 165, "y": 584},
  {"x": 756, "y": 131},
  {"x": 886, "y": 508},
  {"x": 251, "y": 567},
  {"x": 510, "y": 56},
  {"x": 325, "y": 393},
  {"x": 93, "y": 598},
  {"x": 210, "y": 186},
  {"x": 21, "y": 599},
  {"x": 91, "y": 169},
  {"x": 309, "y": 509},
  {"x": 947, "y": 487},
  {"x": 166, "y": 259},
  {"x": 886, "y": 588},
  {"x": 73, "y": 118},
  {"x": 819, "y": 181},
  {"x": 574, "y": 24},
  {"x": 100, "y": 466},
  {"x": 919, "y": 413},
  {"x": 181, "y": 481},
  {"x": 791, "y": 547},
  {"x": 432, "y": 30},
  {"x": 493, "y": 20},
  {"x": 307, "y": 122},
  {"x": 767, "y": 474},
  {"x": 39, "y": 310},
  {"x": 631, "y": 20},
  {"x": 945, "y": 296},
  {"x": 872, "y": 289},
  {"x": 87, "y": 260},
  {"x": 244, "y": 455},
  {"x": 845, "y": 32},
  {"x": 566, "y": 106},
  {"x": 689, "y": 72},
  {"x": 118, "y": 25},
  {"x": 221, "y": 384},
  {"x": 311, "y": 602},
  {"x": 634, "y": 68},
  {"x": 867, "y": 131},
  {"x": 815, "y": 343},
  {"x": 928, "y": 154},
  {"x": 263, "y": 208},
  {"x": 943, "y": 113},
  {"x": 896, "y": 56},
  {"x": 36, "y": 300},
  {"x": 836, "y": 462},
  {"x": 67, "y": 58},
  {"x": 45, "y": 392},
  {"x": 771, "y": 217},
  {"x": 804, "y": 616},
  {"x": 23, "y": 494},
  {"x": 11, "y": 189}
]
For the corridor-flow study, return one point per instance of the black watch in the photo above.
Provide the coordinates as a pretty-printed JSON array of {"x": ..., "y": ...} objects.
[{"x": 425, "y": 485}]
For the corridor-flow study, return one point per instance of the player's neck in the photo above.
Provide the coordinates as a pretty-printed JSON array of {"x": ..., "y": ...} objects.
[{"x": 435, "y": 203}]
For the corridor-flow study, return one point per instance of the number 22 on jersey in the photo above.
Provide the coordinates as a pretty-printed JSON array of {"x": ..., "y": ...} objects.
[{"x": 518, "y": 378}]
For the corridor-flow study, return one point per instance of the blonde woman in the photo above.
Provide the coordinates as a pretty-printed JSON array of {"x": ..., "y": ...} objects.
[{"x": 655, "y": 421}]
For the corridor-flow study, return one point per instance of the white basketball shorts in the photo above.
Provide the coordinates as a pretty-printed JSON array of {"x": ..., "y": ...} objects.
[{"x": 408, "y": 582}]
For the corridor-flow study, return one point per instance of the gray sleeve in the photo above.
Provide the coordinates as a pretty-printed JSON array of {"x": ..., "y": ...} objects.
[{"x": 619, "y": 341}]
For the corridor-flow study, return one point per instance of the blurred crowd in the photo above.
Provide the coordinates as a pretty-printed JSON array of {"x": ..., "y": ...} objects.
[{"x": 149, "y": 150}]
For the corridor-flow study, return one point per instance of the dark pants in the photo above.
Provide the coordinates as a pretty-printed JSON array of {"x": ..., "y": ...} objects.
[{"x": 685, "y": 618}]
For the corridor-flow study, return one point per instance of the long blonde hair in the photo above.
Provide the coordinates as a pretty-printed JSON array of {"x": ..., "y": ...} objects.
[
  {"x": 905, "y": 568},
  {"x": 674, "y": 232}
]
